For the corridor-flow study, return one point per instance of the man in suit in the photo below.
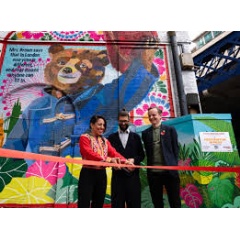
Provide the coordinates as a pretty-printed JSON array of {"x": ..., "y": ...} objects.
[
  {"x": 161, "y": 145},
  {"x": 125, "y": 184}
]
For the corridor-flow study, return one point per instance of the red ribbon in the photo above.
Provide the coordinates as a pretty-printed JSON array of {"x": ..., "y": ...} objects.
[{"x": 8, "y": 153}]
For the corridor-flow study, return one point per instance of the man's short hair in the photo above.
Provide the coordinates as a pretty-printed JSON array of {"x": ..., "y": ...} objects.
[
  {"x": 123, "y": 113},
  {"x": 157, "y": 108}
]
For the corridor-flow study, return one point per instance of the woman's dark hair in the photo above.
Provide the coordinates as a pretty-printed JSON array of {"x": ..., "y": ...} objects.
[{"x": 95, "y": 118}]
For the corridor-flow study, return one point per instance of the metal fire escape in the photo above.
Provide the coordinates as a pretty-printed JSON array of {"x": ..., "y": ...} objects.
[{"x": 218, "y": 63}]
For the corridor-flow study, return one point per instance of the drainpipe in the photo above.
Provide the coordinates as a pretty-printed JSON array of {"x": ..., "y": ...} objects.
[{"x": 178, "y": 71}]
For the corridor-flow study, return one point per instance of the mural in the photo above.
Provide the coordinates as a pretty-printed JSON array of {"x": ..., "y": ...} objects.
[
  {"x": 206, "y": 189},
  {"x": 49, "y": 91},
  {"x": 53, "y": 82}
]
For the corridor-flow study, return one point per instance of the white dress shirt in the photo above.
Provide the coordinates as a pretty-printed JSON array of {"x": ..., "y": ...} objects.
[{"x": 124, "y": 136}]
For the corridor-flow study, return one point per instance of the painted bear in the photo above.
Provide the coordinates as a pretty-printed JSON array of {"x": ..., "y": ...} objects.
[
  {"x": 52, "y": 124},
  {"x": 72, "y": 71}
]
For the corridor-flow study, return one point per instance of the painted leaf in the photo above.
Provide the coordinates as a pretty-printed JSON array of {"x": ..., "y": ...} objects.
[
  {"x": 202, "y": 179},
  {"x": 30, "y": 190},
  {"x": 10, "y": 168},
  {"x": 237, "y": 180},
  {"x": 227, "y": 175},
  {"x": 220, "y": 191},
  {"x": 109, "y": 177},
  {"x": 205, "y": 163},
  {"x": 146, "y": 198},
  {"x": 68, "y": 179},
  {"x": 191, "y": 196},
  {"x": 50, "y": 171},
  {"x": 206, "y": 201},
  {"x": 107, "y": 200},
  {"x": 69, "y": 185},
  {"x": 236, "y": 203},
  {"x": 160, "y": 86},
  {"x": 184, "y": 152},
  {"x": 16, "y": 111},
  {"x": 159, "y": 53},
  {"x": 74, "y": 169},
  {"x": 63, "y": 194},
  {"x": 224, "y": 126},
  {"x": 143, "y": 175},
  {"x": 185, "y": 179},
  {"x": 198, "y": 154}
]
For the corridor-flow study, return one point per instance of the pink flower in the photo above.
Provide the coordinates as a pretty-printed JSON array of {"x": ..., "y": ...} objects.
[
  {"x": 184, "y": 162},
  {"x": 50, "y": 171},
  {"x": 34, "y": 35},
  {"x": 160, "y": 65},
  {"x": 96, "y": 35}
]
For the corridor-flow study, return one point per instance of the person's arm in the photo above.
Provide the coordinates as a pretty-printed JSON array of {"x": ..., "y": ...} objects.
[{"x": 112, "y": 152}]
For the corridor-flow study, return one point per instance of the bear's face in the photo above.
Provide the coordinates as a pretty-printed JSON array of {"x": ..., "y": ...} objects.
[{"x": 73, "y": 70}]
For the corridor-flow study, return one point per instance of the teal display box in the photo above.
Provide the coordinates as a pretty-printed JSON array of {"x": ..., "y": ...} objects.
[{"x": 207, "y": 189}]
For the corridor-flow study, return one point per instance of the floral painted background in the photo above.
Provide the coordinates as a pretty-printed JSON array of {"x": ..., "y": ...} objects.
[
  {"x": 31, "y": 116},
  {"x": 34, "y": 120}
]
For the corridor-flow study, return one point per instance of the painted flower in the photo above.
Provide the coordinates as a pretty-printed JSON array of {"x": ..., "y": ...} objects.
[
  {"x": 34, "y": 35},
  {"x": 74, "y": 168},
  {"x": 50, "y": 171},
  {"x": 152, "y": 100},
  {"x": 32, "y": 190},
  {"x": 184, "y": 162},
  {"x": 67, "y": 35},
  {"x": 160, "y": 65},
  {"x": 96, "y": 35}
]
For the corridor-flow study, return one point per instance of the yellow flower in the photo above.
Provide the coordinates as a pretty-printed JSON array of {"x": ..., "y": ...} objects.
[
  {"x": 19, "y": 35},
  {"x": 163, "y": 77},
  {"x": 74, "y": 168},
  {"x": 201, "y": 178},
  {"x": 32, "y": 190}
]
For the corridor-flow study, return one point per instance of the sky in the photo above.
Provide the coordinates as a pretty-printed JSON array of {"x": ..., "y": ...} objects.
[
  {"x": 193, "y": 34},
  {"x": 126, "y": 15}
]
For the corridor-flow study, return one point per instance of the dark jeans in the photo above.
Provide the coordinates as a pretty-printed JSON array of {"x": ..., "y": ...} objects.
[
  {"x": 171, "y": 182},
  {"x": 125, "y": 190},
  {"x": 92, "y": 188}
]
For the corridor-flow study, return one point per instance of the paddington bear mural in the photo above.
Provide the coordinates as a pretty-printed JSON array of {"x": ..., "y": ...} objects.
[
  {"x": 73, "y": 88},
  {"x": 73, "y": 94}
]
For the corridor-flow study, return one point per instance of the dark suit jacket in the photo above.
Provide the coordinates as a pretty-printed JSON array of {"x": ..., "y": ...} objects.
[
  {"x": 133, "y": 149},
  {"x": 169, "y": 143}
]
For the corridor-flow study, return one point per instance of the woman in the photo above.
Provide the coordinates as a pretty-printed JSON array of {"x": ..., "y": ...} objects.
[{"x": 93, "y": 179}]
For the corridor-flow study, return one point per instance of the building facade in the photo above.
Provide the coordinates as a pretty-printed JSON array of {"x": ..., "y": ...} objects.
[{"x": 53, "y": 82}]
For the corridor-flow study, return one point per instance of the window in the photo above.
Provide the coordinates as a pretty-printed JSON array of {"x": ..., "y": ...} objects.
[
  {"x": 216, "y": 33},
  {"x": 200, "y": 43},
  {"x": 208, "y": 37}
]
